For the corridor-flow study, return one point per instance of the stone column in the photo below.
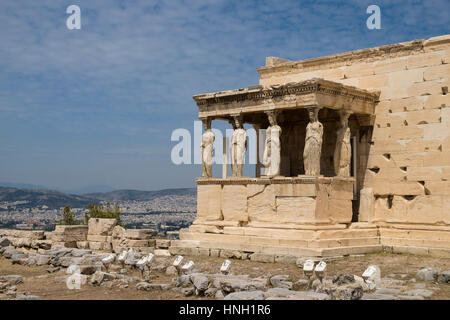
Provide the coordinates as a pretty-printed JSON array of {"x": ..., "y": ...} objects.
[
  {"x": 258, "y": 164},
  {"x": 238, "y": 146},
  {"x": 225, "y": 146},
  {"x": 343, "y": 149},
  {"x": 313, "y": 143},
  {"x": 207, "y": 148},
  {"x": 272, "y": 151}
]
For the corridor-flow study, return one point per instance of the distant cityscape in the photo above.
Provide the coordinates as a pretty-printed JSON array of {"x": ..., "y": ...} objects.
[{"x": 166, "y": 214}]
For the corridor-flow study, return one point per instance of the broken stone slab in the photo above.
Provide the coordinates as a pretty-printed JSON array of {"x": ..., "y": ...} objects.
[
  {"x": 281, "y": 281},
  {"x": 343, "y": 278},
  {"x": 101, "y": 227},
  {"x": 162, "y": 253},
  {"x": 245, "y": 295},
  {"x": 444, "y": 277},
  {"x": 80, "y": 252},
  {"x": 345, "y": 291},
  {"x": 67, "y": 261},
  {"x": 379, "y": 296},
  {"x": 162, "y": 243},
  {"x": 219, "y": 294},
  {"x": 10, "y": 251},
  {"x": 230, "y": 254},
  {"x": 274, "y": 293},
  {"x": 427, "y": 274},
  {"x": 171, "y": 271},
  {"x": 418, "y": 293},
  {"x": 200, "y": 282},
  {"x": 139, "y": 234},
  {"x": 33, "y": 235},
  {"x": 352, "y": 291},
  {"x": 19, "y": 258},
  {"x": 99, "y": 277},
  {"x": 182, "y": 281},
  {"x": 41, "y": 244},
  {"x": 300, "y": 285},
  {"x": 236, "y": 285},
  {"x": 118, "y": 232},
  {"x": 4, "y": 242},
  {"x": 145, "y": 286},
  {"x": 278, "y": 292},
  {"x": 60, "y": 252},
  {"x": 11, "y": 279}
]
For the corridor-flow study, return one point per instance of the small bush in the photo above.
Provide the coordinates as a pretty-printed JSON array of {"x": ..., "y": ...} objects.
[
  {"x": 68, "y": 217},
  {"x": 106, "y": 212}
]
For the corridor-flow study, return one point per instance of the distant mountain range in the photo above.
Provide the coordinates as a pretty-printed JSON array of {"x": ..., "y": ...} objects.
[
  {"x": 137, "y": 195},
  {"x": 54, "y": 199},
  {"x": 79, "y": 191},
  {"x": 37, "y": 198}
]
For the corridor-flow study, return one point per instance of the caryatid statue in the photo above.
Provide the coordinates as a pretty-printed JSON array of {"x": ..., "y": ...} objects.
[
  {"x": 272, "y": 151},
  {"x": 343, "y": 150},
  {"x": 313, "y": 144},
  {"x": 238, "y": 147},
  {"x": 207, "y": 148}
]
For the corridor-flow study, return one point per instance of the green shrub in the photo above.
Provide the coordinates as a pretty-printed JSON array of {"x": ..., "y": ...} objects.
[
  {"x": 106, "y": 212},
  {"x": 68, "y": 217}
]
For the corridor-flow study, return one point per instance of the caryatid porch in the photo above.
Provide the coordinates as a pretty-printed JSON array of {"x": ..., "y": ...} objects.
[{"x": 301, "y": 201}]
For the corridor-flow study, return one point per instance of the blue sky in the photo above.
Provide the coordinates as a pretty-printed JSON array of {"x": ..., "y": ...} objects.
[{"x": 97, "y": 106}]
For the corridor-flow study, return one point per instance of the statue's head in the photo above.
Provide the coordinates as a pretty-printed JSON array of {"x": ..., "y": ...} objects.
[
  {"x": 206, "y": 123},
  {"x": 272, "y": 116},
  {"x": 313, "y": 114},
  {"x": 237, "y": 121},
  {"x": 344, "y": 118}
]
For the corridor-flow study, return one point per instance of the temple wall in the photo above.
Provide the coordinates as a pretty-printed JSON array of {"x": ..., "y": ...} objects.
[
  {"x": 274, "y": 202},
  {"x": 406, "y": 159}
]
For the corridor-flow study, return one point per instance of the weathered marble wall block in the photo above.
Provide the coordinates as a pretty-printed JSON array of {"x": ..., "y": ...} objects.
[
  {"x": 234, "y": 202},
  {"x": 295, "y": 209},
  {"x": 261, "y": 205},
  {"x": 209, "y": 199}
]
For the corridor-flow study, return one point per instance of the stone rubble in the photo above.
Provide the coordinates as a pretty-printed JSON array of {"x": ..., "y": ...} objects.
[{"x": 111, "y": 270}]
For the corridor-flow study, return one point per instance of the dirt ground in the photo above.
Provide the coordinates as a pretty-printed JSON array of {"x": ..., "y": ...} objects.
[{"x": 52, "y": 286}]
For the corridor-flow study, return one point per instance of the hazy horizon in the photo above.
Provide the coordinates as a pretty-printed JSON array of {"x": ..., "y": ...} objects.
[{"x": 97, "y": 106}]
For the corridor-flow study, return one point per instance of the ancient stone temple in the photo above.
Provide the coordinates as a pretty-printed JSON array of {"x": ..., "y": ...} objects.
[{"x": 356, "y": 158}]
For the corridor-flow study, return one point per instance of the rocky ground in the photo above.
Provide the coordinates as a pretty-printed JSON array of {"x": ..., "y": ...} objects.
[{"x": 44, "y": 274}]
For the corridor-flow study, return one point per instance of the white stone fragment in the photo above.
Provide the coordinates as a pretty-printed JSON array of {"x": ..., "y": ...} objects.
[
  {"x": 122, "y": 256},
  {"x": 177, "y": 262},
  {"x": 109, "y": 259},
  {"x": 145, "y": 261},
  {"x": 73, "y": 269},
  {"x": 308, "y": 268},
  {"x": 188, "y": 267},
  {"x": 320, "y": 269},
  {"x": 226, "y": 266},
  {"x": 372, "y": 276}
]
